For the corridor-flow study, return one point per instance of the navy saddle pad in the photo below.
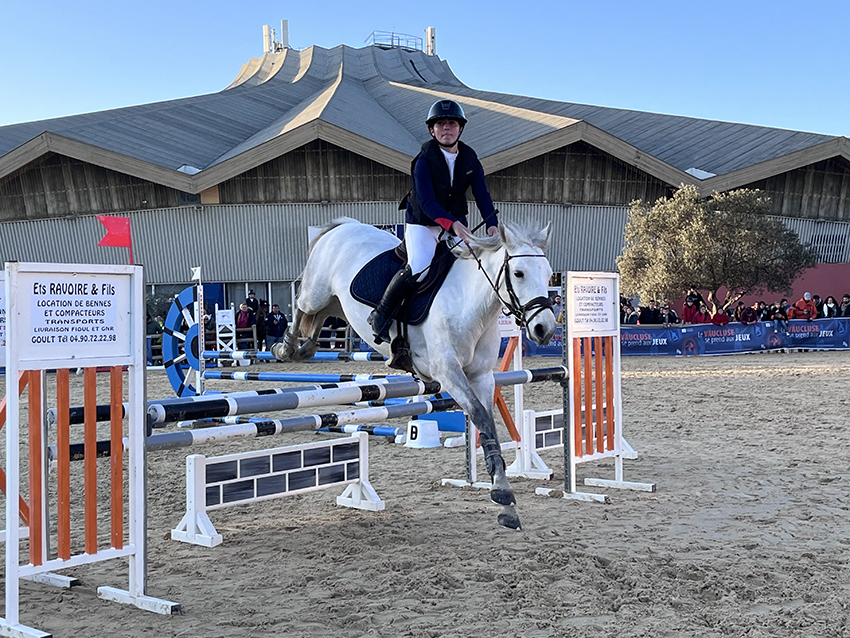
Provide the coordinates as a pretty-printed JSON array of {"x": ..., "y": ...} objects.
[{"x": 370, "y": 283}]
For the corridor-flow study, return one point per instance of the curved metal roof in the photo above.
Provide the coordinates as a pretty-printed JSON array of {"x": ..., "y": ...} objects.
[{"x": 371, "y": 101}]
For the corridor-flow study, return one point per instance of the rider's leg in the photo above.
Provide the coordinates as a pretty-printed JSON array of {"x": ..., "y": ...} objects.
[
  {"x": 420, "y": 240},
  {"x": 381, "y": 318}
]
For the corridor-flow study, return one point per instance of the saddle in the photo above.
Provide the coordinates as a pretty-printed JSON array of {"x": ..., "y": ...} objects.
[{"x": 369, "y": 284}]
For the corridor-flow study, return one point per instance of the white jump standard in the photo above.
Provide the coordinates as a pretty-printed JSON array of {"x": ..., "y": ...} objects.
[
  {"x": 37, "y": 342},
  {"x": 592, "y": 395}
]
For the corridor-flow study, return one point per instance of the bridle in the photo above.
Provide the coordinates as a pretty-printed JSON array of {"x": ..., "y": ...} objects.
[{"x": 513, "y": 305}]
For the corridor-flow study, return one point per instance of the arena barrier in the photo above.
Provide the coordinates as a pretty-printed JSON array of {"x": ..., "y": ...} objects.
[
  {"x": 252, "y": 477},
  {"x": 36, "y": 294},
  {"x": 592, "y": 395}
]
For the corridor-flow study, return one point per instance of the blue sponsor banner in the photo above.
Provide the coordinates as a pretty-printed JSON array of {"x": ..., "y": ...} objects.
[
  {"x": 708, "y": 339},
  {"x": 823, "y": 334}
]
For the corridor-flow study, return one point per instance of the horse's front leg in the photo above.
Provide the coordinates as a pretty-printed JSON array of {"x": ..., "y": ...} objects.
[{"x": 475, "y": 396}]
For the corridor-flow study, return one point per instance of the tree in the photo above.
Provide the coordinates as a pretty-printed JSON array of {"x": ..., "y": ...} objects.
[{"x": 726, "y": 240}]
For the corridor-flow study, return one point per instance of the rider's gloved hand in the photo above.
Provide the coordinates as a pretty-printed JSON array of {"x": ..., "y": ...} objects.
[{"x": 462, "y": 232}]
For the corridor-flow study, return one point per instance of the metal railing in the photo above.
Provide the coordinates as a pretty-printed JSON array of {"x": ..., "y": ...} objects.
[{"x": 392, "y": 40}]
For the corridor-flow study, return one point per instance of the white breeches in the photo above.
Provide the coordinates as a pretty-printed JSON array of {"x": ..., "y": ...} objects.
[{"x": 421, "y": 243}]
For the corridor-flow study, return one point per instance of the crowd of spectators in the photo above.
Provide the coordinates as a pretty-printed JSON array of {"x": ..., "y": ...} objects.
[
  {"x": 269, "y": 325},
  {"x": 695, "y": 310}
]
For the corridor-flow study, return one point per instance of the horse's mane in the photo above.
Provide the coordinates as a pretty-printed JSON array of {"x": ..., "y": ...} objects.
[
  {"x": 339, "y": 221},
  {"x": 521, "y": 232}
]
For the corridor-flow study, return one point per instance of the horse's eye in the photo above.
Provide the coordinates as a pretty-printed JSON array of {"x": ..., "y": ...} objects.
[{"x": 519, "y": 274}]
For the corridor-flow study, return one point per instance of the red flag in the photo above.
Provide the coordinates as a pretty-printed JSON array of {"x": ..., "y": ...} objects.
[{"x": 117, "y": 232}]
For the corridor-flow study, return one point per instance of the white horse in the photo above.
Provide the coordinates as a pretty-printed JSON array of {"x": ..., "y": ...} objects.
[{"x": 458, "y": 343}]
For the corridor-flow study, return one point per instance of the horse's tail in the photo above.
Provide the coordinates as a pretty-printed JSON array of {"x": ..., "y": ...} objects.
[{"x": 339, "y": 221}]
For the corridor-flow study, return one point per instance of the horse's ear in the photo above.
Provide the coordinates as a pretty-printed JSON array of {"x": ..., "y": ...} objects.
[
  {"x": 505, "y": 233},
  {"x": 542, "y": 240}
]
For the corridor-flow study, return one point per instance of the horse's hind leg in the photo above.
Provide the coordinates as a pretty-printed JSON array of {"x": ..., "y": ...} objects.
[
  {"x": 291, "y": 349},
  {"x": 306, "y": 325}
]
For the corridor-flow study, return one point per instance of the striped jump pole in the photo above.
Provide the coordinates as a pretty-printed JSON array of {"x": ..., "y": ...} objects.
[
  {"x": 266, "y": 427},
  {"x": 306, "y": 423},
  {"x": 375, "y": 430},
  {"x": 229, "y": 405},
  {"x": 263, "y": 355},
  {"x": 296, "y": 377},
  {"x": 104, "y": 412}
]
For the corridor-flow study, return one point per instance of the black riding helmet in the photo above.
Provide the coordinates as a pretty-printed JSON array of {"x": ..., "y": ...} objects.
[{"x": 446, "y": 110}]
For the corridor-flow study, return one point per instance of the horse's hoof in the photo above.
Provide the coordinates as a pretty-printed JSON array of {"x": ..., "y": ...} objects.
[
  {"x": 510, "y": 520},
  {"x": 502, "y": 497}
]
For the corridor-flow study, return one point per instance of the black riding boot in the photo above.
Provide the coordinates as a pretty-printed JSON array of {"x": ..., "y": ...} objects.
[{"x": 381, "y": 318}]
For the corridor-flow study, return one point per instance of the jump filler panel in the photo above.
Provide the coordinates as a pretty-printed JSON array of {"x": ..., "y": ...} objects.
[{"x": 250, "y": 477}]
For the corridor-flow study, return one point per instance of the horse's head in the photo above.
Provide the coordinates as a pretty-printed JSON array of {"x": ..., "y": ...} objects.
[{"x": 525, "y": 279}]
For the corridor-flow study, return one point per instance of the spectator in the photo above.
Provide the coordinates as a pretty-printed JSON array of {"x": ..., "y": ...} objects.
[
  {"x": 253, "y": 302},
  {"x": 818, "y": 304},
  {"x": 650, "y": 314},
  {"x": 845, "y": 306},
  {"x": 668, "y": 315},
  {"x": 721, "y": 317},
  {"x": 261, "y": 315},
  {"x": 830, "y": 308},
  {"x": 738, "y": 310},
  {"x": 749, "y": 316},
  {"x": 805, "y": 308},
  {"x": 702, "y": 315},
  {"x": 625, "y": 309},
  {"x": 330, "y": 335},
  {"x": 275, "y": 326},
  {"x": 780, "y": 316},
  {"x": 689, "y": 310},
  {"x": 557, "y": 307},
  {"x": 763, "y": 312},
  {"x": 154, "y": 329},
  {"x": 244, "y": 320},
  {"x": 631, "y": 315},
  {"x": 696, "y": 296}
]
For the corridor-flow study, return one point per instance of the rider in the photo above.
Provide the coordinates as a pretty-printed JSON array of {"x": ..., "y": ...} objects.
[{"x": 441, "y": 174}]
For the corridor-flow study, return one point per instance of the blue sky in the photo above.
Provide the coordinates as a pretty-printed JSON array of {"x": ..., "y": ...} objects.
[{"x": 780, "y": 63}]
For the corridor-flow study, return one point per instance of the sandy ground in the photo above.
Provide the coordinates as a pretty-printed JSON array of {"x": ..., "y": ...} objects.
[{"x": 747, "y": 535}]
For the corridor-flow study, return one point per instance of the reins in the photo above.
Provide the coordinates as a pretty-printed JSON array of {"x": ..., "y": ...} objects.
[{"x": 513, "y": 305}]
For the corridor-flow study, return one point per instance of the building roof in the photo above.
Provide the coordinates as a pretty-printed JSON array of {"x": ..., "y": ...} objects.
[{"x": 372, "y": 101}]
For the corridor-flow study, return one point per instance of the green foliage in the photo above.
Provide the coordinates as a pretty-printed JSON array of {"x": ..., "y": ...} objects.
[{"x": 725, "y": 240}]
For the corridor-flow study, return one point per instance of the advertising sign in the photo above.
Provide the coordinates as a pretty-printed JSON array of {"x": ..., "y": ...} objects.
[
  {"x": 71, "y": 315},
  {"x": 592, "y": 304}
]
